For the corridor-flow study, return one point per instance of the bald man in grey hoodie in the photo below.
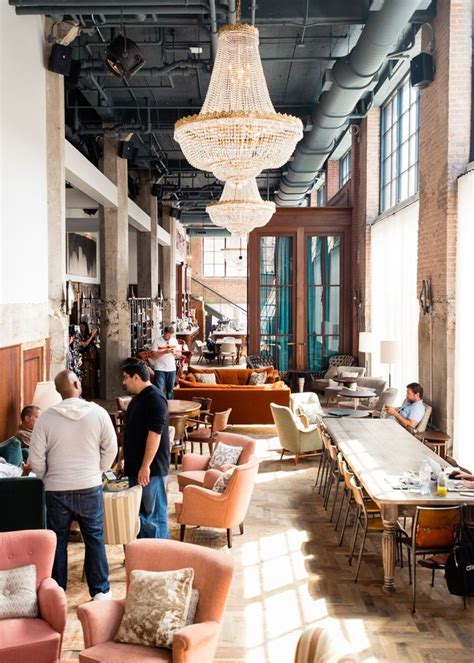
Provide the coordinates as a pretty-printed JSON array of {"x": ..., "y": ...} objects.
[{"x": 71, "y": 448}]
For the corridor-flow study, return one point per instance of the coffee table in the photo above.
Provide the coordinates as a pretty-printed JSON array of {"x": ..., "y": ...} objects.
[{"x": 356, "y": 395}]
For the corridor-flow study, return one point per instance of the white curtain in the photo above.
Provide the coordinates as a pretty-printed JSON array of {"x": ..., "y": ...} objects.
[{"x": 394, "y": 300}]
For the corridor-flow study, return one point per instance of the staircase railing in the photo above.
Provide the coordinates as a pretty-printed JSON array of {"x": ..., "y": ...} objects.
[{"x": 212, "y": 298}]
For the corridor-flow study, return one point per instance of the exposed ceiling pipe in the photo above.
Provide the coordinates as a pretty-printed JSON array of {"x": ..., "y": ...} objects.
[
  {"x": 351, "y": 78},
  {"x": 103, "y": 5},
  {"x": 213, "y": 16},
  {"x": 253, "y": 8},
  {"x": 162, "y": 10},
  {"x": 97, "y": 66}
]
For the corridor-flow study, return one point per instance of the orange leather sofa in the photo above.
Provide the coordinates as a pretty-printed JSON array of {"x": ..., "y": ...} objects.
[{"x": 250, "y": 403}]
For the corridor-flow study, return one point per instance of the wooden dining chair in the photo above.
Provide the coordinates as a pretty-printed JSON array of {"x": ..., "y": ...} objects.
[
  {"x": 434, "y": 531},
  {"x": 207, "y": 430}
]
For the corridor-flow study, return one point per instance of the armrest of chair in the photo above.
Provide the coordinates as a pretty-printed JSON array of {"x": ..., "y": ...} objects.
[
  {"x": 52, "y": 604},
  {"x": 198, "y": 501},
  {"x": 304, "y": 420},
  {"x": 203, "y": 422},
  {"x": 193, "y": 462},
  {"x": 100, "y": 620},
  {"x": 195, "y": 643},
  {"x": 211, "y": 477}
]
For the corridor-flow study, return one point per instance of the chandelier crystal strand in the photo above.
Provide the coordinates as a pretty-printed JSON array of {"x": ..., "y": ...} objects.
[
  {"x": 241, "y": 208},
  {"x": 237, "y": 133}
]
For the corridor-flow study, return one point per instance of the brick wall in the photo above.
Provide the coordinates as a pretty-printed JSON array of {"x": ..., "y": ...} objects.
[
  {"x": 234, "y": 289},
  {"x": 444, "y": 152},
  {"x": 332, "y": 178}
]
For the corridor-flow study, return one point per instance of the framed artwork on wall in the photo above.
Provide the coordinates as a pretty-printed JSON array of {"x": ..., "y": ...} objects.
[{"x": 82, "y": 256}]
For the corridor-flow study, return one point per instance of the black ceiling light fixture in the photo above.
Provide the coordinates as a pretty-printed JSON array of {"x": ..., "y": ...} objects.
[{"x": 123, "y": 57}]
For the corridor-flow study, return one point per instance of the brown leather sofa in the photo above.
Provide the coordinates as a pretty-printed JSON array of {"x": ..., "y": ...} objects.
[{"x": 250, "y": 403}]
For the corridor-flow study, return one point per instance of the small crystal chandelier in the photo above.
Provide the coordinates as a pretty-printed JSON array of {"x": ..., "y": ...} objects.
[
  {"x": 237, "y": 133},
  {"x": 241, "y": 208}
]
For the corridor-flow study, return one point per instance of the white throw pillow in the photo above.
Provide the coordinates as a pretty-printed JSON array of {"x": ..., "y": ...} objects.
[
  {"x": 312, "y": 411},
  {"x": 206, "y": 378},
  {"x": 331, "y": 372},
  {"x": 18, "y": 592},
  {"x": 157, "y": 605},
  {"x": 349, "y": 374},
  {"x": 224, "y": 454},
  {"x": 258, "y": 378},
  {"x": 223, "y": 481}
]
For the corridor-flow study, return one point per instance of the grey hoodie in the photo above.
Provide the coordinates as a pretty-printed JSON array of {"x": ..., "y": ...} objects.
[{"x": 72, "y": 444}]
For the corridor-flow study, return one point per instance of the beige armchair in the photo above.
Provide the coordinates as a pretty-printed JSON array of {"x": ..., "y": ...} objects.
[{"x": 295, "y": 436}]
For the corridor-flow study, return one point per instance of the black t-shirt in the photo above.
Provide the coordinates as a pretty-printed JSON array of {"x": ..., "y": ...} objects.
[{"x": 147, "y": 411}]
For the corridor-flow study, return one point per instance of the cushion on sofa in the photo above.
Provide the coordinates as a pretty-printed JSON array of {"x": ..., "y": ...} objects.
[
  {"x": 18, "y": 592},
  {"x": 10, "y": 450},
  {"x": 205, "y": 378},
  {"x": 223, "y": 481},
  {"x": 257, "y": 378},
  {"x": 330, "y": 373},
  {"x": 224, "y": 454}
]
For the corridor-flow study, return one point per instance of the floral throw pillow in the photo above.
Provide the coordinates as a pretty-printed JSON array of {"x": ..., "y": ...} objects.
[
  {"x": 157, "y": 605},
  {"x": 224, "y": 454},
  {"x": 206, "y": 378},
  {"x": 312, "y": 411},
  {"x": 18, "y": 592},
  {"x": 258, "y": 378},
  {"x": 223, "y": 481}
]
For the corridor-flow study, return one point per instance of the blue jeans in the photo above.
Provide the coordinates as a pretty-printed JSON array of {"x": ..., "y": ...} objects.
[
  {"x": 87, "y": 507},
  {"x": 165, "y": 380},
  {"x": 153, "y": 509}
]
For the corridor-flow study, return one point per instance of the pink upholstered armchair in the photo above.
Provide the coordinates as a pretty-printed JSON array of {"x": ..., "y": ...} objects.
[
  {"x": 196, "y": 643},
  {"x": 36, "y": 639},
  {"x": 195, "y": 466},
  {"x": 203, "y": 506}
]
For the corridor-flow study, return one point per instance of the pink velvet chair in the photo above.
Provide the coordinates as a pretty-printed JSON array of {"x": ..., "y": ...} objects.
[
  {"x": 37, "y": 639},
  {"x": 203, "y": 506},
  {"x": 213, "y": 572},
  {"x": 195, "y": 466}
]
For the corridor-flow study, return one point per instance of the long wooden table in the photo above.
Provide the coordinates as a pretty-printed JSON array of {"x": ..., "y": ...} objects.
[{"x": 375, "y": 449}]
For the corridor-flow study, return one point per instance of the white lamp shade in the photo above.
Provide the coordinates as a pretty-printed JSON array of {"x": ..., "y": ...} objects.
[
  {"x": 45, "y": 395},
  {"x": 389, "y": 352},
  {"x": 366, "y": 342}
]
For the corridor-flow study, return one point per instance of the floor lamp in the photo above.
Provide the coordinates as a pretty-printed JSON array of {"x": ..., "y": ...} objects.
[
  {"x": 367, "y": 346},
  {"x": 389, "y": 354},
  {"x": 45, "y": 395}
]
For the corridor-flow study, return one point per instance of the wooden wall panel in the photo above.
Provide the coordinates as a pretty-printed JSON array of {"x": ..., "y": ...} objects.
[
  {"x": 33, "y": 362},
  {"x": 10, "y": 391}
]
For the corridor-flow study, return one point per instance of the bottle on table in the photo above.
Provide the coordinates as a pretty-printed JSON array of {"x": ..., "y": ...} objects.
[{"x": 424, "y": 475}]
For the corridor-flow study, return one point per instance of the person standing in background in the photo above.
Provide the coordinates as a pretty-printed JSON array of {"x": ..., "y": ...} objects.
[{"x": 162, "y": 358}]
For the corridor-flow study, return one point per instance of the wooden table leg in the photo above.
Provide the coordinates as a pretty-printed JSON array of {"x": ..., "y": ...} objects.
[{"x": 389, "y": 518}]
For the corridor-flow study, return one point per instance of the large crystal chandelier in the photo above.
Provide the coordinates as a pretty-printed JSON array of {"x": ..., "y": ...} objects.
[
  {"x": 238, "y": 134},
  {"x": 241, "y": 208}
]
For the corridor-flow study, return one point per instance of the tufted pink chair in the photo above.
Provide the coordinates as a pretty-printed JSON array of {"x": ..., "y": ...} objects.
[
  {"x": 213, "y": 572},
  {"x": 37, "y": 639},
  {"x": 195, "y": 466}
]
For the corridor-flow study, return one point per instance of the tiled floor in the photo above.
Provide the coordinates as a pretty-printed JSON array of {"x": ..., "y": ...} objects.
[{"x": 290, "y": 573}]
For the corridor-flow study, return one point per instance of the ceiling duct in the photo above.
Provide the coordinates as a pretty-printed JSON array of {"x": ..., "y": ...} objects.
[{"x": 351, "y": 77}]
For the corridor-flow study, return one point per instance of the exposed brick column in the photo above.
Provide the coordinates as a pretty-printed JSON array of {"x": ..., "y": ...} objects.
[
  {"x": 365, "y": 205},
  {"x": 444, "y": 152},
  {"x": 147, "y": 246},
  {"x": 332, "y": 178}
]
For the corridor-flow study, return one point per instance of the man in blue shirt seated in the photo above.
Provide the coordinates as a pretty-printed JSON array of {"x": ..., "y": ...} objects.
[{"x": 413, "y": 408}]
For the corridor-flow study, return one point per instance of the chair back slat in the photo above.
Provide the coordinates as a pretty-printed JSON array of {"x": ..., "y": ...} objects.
[{"x": 436, "y": 527}]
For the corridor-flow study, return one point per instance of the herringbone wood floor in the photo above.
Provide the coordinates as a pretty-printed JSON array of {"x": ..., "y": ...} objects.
[{"x": 290, "y": 573}]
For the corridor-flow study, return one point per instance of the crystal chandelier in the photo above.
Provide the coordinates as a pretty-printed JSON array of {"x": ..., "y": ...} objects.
[
  {"x": 241, "y": 208},
  {"x": 237, "y": 133}
]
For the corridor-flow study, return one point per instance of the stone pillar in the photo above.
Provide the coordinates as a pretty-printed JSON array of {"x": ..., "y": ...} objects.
[
  {"x": 445, "y": 107},
  {"x": 114, "y": 318},
  {"x": 55, "y": 136},
  {"x": 365, "y": 205},
  {"x": 169, "y": 269},
  {"x": 147, "y": 250}
]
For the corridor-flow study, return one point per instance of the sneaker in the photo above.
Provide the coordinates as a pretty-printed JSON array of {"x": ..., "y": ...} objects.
[{"x": 103, "y": 596}]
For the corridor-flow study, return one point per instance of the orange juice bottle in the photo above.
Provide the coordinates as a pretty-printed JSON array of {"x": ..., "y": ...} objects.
[{"x": 442, "y": 484}]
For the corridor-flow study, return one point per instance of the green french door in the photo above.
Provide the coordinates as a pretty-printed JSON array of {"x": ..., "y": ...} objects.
[{"x": 323, "y": 299}]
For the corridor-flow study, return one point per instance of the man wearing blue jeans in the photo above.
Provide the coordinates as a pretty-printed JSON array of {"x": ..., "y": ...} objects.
[
  {"x": 146, "y": 448},
  {"x": 162, "y": 358},
  {"x": 71, "y": 445}
]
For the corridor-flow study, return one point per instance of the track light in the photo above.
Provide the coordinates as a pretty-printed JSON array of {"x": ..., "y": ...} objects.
[{"x": 123, "y": 57}]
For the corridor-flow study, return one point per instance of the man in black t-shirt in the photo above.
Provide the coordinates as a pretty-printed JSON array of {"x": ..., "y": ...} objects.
[{"x": 146, "y": 447}]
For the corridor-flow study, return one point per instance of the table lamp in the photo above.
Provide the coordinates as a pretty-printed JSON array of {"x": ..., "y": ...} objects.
[
  {"x": 367, "y": 346},
  {"x": 45, "y": 395},
  {"x": 389, "y": 354}
]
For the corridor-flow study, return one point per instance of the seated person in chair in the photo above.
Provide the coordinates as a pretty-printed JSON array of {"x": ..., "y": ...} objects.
[
  {"x": 29, "y": 416},
  {"x": 413, "y": 408}
]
